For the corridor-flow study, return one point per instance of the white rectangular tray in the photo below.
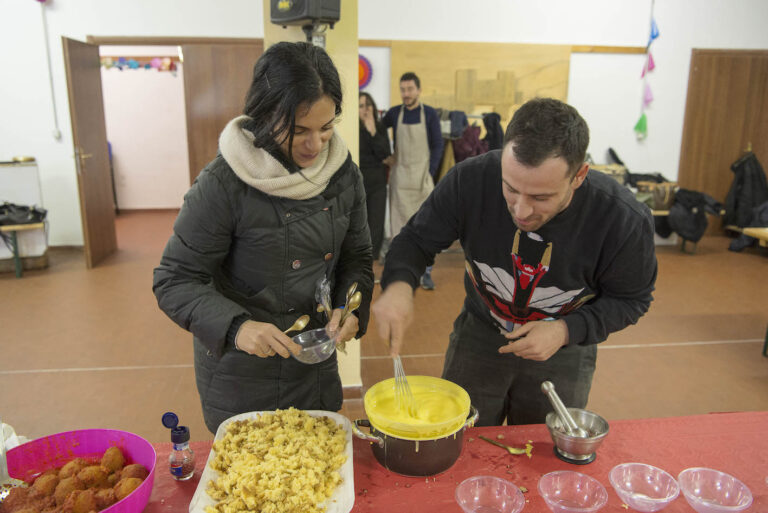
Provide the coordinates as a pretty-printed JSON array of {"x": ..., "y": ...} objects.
[{"x": 341, "y": 501}]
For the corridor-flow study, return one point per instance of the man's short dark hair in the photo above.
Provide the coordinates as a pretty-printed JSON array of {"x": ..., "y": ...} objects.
[
  {"x": 411, "y": 76},
  {"x": 547, "y": 128}
]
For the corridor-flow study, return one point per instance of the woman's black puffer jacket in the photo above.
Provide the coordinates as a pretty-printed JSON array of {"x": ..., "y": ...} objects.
[{"x": 237, "y": 251}]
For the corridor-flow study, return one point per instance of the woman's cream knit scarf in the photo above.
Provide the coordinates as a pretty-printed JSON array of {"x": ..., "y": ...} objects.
[{"x": 256, "y": 167}]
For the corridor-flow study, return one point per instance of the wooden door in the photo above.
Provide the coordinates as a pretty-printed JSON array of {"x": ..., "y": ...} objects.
[
  {"x": 89, "y": 137},
  {"x": 216, "y": 80},
  {"x": 725, "y": 113}
]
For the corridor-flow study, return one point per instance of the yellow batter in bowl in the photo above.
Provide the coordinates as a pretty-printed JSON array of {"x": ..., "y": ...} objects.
[{"x": 442, "y": 408}]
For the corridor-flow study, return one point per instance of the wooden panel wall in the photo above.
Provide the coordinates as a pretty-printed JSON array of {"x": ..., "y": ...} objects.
[
  {"x": 481, "y": 77},
  {"x": 216, "y": 80},
  {"x": 726, "y": 112}
]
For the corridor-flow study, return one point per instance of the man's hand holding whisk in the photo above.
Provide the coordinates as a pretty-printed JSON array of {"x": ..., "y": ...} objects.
[{"x": 394, "y": 313}]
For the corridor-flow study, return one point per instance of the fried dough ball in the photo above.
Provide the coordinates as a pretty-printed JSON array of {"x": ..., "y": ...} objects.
[
  {"x": 105, "y": 498},
  {"x": 25, "y": 510},
  {"x": 65, "y": 487},
  {"x": 114, "y": 477},
  {"x": 45, "y": 485},
  {"x": 113, "y": 459},
  {"x": 72, "y": 468},
  {"x": 94, "y": 476},
  {"x": 125, "y": 486},
  {"x": 135, "y": 470},
  {"x": 81, "y": 501}
]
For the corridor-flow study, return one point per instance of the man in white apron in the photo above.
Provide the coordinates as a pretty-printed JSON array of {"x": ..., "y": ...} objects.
[{"x": 418, "y": 149}]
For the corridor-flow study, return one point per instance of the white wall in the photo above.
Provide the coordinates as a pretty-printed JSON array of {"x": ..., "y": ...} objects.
[
  {"x": 606, "y": 88},
  {"x": 25, "y": 99},
  {"x": 150, "y": 170},
  {"x": 611, "y": 109}
]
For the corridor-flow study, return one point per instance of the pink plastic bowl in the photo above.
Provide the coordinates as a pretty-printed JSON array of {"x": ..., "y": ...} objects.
[{"x": 32, "y": 458}]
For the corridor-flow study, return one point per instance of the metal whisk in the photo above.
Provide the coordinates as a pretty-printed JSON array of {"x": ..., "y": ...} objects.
[{"x": 403, "y": 396}]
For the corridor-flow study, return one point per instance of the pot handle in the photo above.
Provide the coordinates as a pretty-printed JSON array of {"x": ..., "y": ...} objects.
[
  {"x": 369, "y": 438},
  {"x": 472, "y": 418}
]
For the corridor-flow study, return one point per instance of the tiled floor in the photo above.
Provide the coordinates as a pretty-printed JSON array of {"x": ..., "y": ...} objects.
[{"x": 87, "y": 348}]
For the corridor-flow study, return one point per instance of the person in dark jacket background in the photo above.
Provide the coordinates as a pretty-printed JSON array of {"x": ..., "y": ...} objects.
[
  {"x": 279, "y": 208},
  {"x": 374, "y": 150}
]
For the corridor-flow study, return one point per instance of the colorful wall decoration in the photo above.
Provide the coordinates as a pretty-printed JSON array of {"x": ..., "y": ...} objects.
[
  {"x": 157, "y": 63},
  {"x": 365, "y": 71},
  {"x": 641, "y": 127}
]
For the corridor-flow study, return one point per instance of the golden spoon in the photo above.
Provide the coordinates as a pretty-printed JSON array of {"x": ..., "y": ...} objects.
[
  {"x": 511, "y": 450},
  {"x": 299, "y": 324},
  {"x": 352, "y": 305}
]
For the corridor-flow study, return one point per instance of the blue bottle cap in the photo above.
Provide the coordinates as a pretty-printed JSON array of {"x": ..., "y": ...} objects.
[
  {"x": 170, "y": 420},
  {"x": 179, "y": 434}
]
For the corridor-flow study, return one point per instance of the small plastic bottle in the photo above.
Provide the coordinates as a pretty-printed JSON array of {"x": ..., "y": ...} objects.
[{"x": 182, "y": 458}]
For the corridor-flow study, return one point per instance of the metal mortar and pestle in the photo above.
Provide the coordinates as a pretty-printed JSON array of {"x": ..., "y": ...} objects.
[{"x": 576, "y": 433}]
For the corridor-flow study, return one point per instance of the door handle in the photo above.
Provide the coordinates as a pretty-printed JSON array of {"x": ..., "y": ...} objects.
[{"x": 80, "y": 159}]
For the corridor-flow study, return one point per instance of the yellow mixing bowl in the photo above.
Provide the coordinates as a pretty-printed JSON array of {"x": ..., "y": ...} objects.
[{"x": 442, "y": 408}]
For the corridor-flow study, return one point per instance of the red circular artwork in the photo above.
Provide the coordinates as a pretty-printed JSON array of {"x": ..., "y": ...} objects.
[{"x": 365, "y": 72}]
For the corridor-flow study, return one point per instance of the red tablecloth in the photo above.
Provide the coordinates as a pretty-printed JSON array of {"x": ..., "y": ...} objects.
[{"x": 735, "y": 443}]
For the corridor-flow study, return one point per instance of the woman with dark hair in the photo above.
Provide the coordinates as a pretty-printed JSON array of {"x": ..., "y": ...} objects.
[
  {"x": 279, "y": 208},
  {"x": 374, "y": 150}
]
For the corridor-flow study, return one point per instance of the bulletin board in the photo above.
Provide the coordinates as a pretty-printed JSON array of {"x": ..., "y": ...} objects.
[{"x": 481, "y": 77}]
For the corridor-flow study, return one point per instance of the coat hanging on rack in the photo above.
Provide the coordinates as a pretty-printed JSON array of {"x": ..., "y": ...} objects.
[{"x": 748, "y": 190}]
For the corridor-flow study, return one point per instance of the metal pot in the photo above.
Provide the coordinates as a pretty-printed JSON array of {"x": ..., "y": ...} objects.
[{"x": 423, "y": 457}]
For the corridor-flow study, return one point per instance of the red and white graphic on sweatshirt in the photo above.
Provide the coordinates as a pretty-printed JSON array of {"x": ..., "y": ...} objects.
[{"x": 517, "y": 298}]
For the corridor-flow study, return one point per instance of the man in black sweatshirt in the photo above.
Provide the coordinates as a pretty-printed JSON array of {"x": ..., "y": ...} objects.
[{"x": 556, "y": 259}]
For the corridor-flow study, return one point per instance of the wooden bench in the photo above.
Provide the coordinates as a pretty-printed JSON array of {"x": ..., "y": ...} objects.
[
  {"x": 11, "y": 229},
  {"x": 759, "y": 233},
  {"x": 662, "y": 213}
]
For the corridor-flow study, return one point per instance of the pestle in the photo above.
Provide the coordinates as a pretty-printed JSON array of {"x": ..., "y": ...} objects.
[{"x": 571, "y": 428}]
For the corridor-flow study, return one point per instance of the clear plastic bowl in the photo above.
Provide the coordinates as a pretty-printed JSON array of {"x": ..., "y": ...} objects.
[
  {"x": 317, "y": 346},
  {"x": 488, "y": 494},
  {"x": 712, "y": 491},
  {"x": 572, "y": 492},
  {"x": 643, "y": 487}
]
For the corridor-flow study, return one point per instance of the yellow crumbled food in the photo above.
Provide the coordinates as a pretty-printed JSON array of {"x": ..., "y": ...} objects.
[{"x": 281, "y": 462}]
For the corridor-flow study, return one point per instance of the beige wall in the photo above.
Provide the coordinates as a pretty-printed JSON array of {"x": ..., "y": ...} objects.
[
  {"x": 341, "y": 45},
  {"x": 481, "y": 77}
]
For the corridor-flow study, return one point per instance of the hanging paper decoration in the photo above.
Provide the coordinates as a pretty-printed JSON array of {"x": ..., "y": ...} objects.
[
  {"x": 649, "y": 64},
  {"x": 647, "y": 96},
  {"x": 641, "y": 127},
  {"x": 146, "y": 63},
  {"x": 654, "y": 31},
  {"x": 365, "y": 71}
]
